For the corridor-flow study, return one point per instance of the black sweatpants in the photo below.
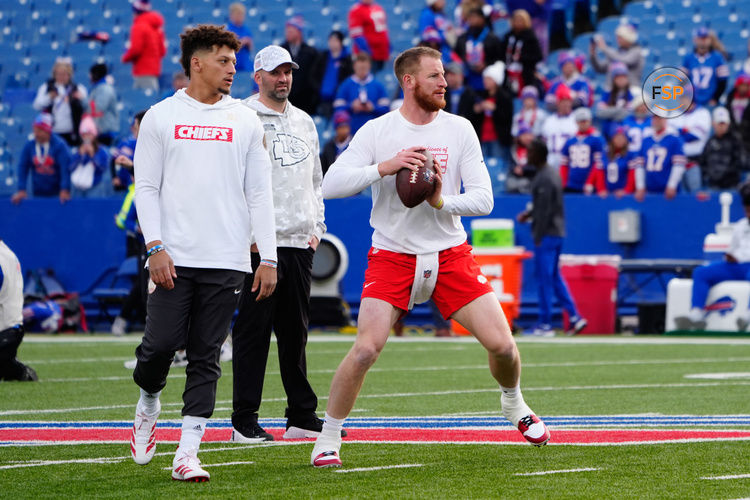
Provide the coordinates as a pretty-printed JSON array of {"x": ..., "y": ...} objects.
[
  {"x": 195, "y": 315},
  {"x": 287, "y": 312},
  {"x": 10, "y": 367}
]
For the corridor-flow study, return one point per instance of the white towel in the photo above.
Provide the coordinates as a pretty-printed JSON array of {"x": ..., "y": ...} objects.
[{"x": 425, "y": 277}]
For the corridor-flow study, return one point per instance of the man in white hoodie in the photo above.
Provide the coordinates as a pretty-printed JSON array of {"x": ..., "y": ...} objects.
[
  {"x": 202, "y": 181},
  {"x": 293, "y": 147},
  {"x": 421, "y": 252}
]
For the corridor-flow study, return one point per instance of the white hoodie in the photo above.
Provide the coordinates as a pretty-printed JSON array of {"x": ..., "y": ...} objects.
[
  {"x": 294, "y": 149},
  {"x": 202, "y": 180}
]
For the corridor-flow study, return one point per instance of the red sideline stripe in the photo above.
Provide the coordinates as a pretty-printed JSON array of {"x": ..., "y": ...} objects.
[{"x": 562, "y": 436}]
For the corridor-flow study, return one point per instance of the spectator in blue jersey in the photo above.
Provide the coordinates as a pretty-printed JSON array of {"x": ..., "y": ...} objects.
[
  {"x": 617, "y": 174},
  {"x": 461, "y": 99},
  {"x": 361, "y": 95},
  {"x": 530, "y": 114},
  {"x": 432, "y": 19},
  {"x": 724, "y": 158},
  {"x": 430, "y": 38},
  {"x": 478, "y": 47},
  {"x": 336, "y": 63},
  {"x": 628, "y": 52},
  {"x": 736, "y": 266},
  {"x": 124, "y": 152},
  {"x": 661, "y": 163},
  {"x": 547, "y": 216},
  {"x": 103, "y": 105},
  {"x": 236, "y": 25},
  {"x": 637, "y": 124},
  {"x": 89, "y": 167},
  {"x": 614, "y": 105},
  {"x": 581, "y": 156},
  {"x": 47, "y": 157},
  {"x": 707, "y": 69},
  {"x": 580, "y": 88},
  {"x": 694, "y": 127},
  {"x": 342, "y": 135}
]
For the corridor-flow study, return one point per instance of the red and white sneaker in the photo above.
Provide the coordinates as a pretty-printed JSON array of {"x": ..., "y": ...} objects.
[
  {"x": 143, "y": 438},
  {"x": 328, "y": 458},
  {"x": 187, "y": 467},
  {"x": 534, "y": 430},
  {"x": 325, "y": 453}
]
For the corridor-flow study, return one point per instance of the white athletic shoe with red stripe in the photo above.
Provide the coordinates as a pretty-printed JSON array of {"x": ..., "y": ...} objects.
[
  {"x": 534, "y": 430},
  {"x": 326, "y": 453},
  {"x": 187, "y": 467},
  {"x": 143, "y": 438}
]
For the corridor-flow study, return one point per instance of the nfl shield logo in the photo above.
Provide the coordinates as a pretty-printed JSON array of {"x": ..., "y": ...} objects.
[{"x": 427, "y": 274}]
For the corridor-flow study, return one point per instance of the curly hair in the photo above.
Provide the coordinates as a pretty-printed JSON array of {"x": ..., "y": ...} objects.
[{"x": 205, "y": 37}]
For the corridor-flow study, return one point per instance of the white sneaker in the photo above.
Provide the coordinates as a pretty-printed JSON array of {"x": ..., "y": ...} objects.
[
  {"x": 529, "y": 425},
  {"x": 226, "y": 351},
  {"x": 130, "y": 365},
  {"x": 187, "y": 467},
  {"x": 180, "y": 359},
  {"x": 143, "y": 438},
  {"x": 326, "y": 453},
  {"x": 119, "y": 325}
]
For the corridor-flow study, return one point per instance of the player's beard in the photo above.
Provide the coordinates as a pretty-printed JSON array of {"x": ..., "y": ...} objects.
[{"x": 428, "y": 102}]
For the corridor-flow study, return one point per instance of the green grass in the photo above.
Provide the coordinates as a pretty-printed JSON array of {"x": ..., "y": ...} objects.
[{"x": 88, "y": 381}]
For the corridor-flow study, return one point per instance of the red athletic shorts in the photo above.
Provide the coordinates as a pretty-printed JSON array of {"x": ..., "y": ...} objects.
[{"x": 390, "y": 276}]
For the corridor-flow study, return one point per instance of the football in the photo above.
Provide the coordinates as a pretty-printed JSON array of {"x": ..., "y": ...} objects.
[{"x": 414, "y": 187}]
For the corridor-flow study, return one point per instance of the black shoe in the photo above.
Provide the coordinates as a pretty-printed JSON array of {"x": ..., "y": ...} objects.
[
  {"x": 252, "y": 434},
  {"x": 301, "y": 428},
  {"x": 29, "y": 375}
]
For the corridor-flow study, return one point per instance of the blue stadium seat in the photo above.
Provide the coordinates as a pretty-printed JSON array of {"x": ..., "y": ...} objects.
[{"x": 642, "y": 10}]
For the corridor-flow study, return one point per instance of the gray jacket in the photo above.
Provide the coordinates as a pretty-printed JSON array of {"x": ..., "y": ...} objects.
[
  {"x": 631, "y": 57},
  {"x": 103, "y": 103},
  {"x": 547, "y": 211},
  {"x": 292, "y": 143}
]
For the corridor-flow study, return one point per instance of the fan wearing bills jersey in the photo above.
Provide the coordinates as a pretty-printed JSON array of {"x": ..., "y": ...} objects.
[
  {"x": 617, "y": 174},
  {"x": 420, "y": 253},
  {"x": 202, "y": 182},
  {"x": 660, "y": 164},
  {"x": 581, "y": 156}
]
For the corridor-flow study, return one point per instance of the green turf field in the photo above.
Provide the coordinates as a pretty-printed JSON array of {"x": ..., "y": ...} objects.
[{"x": 83, "y": 380}]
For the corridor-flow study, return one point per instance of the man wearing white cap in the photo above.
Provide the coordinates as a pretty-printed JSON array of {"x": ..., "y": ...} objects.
[
  {"x": 628, "y": 52},
  {"x": 723, "y": 158},
  {"x": 581, "y": 156},
  {"x": 292, "y": 142}
]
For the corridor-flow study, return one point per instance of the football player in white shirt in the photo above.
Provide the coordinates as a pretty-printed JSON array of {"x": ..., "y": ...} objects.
[
  {"x": 420, "y": 252},
  {"x": 202, "y": 181}
]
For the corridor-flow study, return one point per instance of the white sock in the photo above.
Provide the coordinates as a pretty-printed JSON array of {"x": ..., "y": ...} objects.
[
  {"x": 696, "y": 314},
  {"x": 512, "y": 393},
  {"x": 192, "y": 433},
  {"x": 149, "y": 402},
  {"x": 332, "y": 427}
]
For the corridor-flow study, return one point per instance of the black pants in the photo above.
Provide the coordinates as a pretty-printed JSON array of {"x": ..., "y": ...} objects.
[
  {"x": 195, "y": 315},
  {"x": 287, "y": 311},
  {"x": 10, "y": 367}
]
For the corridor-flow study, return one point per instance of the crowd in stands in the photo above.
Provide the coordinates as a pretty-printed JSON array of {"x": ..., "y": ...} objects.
[{"x": 602, "y": 138}]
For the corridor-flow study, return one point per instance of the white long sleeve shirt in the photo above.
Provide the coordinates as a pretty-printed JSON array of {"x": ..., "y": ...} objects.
[
  {"x": 739, "y": 248},
  {"x": 11, "y": 289},
  {"x": 202, "y": 180},
  {"x": 294, "y": 149},
  {"x": 422, "y": 229},
  {"x": 556, "y": 131}
]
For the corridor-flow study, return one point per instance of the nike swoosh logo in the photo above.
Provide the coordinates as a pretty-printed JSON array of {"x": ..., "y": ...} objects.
[
  {"x": 237, "y": 292},
  {"x": 368, "y": 284}
]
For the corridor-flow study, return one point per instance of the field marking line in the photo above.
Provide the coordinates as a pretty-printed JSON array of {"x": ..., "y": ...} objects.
[
  {"x": 429, "y": 393},
  {"x": 718, "y": 376},
  {"x": 382, "y": 467},
  {"x": 561, "y": 471},
  {"x": 216, "y": 465},
  {"x": 735, "y": 476}
]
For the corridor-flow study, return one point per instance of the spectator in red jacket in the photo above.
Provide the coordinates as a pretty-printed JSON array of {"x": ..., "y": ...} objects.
[
  {"x": 147, "y": 47},
  {"x": 369, "y": 32}
]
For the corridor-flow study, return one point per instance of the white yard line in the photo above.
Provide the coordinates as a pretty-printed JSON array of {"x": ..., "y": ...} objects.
[
  {"x": 343, "y": 338},
  {"x": 735, "y": 476},
  {"x": 561, "y": 471},
  {"x": 382, "y": 467},
  {"x": 216, "y": 465}
]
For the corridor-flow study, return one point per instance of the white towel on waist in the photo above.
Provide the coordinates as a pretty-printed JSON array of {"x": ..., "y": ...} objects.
[{"x": 425, "y": 277}]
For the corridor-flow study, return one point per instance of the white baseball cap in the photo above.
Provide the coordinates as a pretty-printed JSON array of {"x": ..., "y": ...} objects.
[
  {"x": 271, "y": 57},
  {"x": 721, "y": 115}
]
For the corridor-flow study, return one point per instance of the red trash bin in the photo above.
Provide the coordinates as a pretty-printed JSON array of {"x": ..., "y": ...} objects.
[{"x": 592, "y": 281}]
